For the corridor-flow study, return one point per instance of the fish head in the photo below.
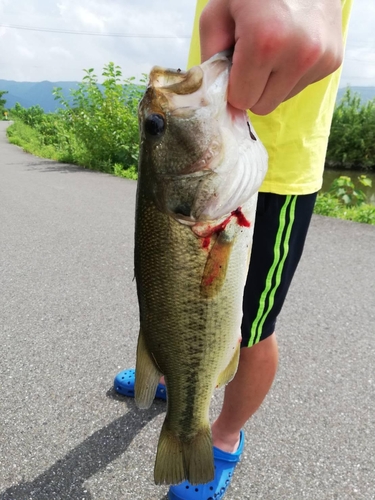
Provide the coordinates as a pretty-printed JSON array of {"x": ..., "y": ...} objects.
[
  {"x": 191, "y": 143},
  {"x": 178, "y": 115}
]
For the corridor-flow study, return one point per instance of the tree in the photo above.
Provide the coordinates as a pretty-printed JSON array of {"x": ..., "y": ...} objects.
[
  {"x": 2, "y": 101},
  {"x": 352, "y": 137}
]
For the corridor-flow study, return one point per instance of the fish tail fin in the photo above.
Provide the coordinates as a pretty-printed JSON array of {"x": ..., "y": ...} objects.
[
  {"x": 199, "y": 457},
  {"x": 147, "y": 376},
  {"x": 178, "y": 460}
]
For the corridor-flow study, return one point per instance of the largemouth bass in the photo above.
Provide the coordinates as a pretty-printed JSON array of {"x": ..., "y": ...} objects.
[{"x": 200, "y": 167}]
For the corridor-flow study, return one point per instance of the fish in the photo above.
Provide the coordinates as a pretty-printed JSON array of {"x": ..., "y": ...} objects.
[{"x": 200, "y": 168}]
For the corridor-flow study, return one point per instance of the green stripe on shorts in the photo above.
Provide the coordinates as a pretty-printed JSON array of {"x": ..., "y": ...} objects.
[{"x": 281, "y": 243}]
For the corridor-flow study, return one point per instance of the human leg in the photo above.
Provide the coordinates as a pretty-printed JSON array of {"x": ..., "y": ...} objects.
[
  {"x": 246, "y": 392},
  {"x": 279, "y": 236}
]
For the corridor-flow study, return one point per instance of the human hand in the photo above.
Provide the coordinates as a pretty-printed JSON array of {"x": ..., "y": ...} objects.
[{"x": 280, "y": 46}]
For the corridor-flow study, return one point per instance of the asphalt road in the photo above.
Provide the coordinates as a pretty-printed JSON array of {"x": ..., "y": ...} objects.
[{"x": 68, "y": 323}]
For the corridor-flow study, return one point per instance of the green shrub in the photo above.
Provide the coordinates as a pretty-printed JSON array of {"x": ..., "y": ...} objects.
[
  {"x": 32, "y": 116},
  {"x": 329, "y": 206},
  {"x": 352, "y": 138},
  {"x": 3, "y": 110},
  {"x": 29, "y": 139},
  {"x": 97, "y": 127},
  {"x": 345, "y": 192},
  {"x": 104, "y": 120},
  {"x": 344, "y": 202}
]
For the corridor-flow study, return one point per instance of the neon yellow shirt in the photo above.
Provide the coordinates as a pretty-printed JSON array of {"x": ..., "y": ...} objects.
[{"x": 296, "y": 133}]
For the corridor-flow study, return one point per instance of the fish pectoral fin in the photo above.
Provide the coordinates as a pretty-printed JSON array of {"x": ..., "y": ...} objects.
[
  {"x": 179, "y": 459},
  {"x": 147, "y": 375},
  {"x": 215, "y": 270},
  {"x": 226, "y": 375}
]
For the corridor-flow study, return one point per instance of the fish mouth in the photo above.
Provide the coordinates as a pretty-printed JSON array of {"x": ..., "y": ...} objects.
[
  {"x": 189, "y": 89},
  {"x": 177, "y": 81}
]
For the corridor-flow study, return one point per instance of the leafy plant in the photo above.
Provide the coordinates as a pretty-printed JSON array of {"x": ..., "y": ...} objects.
[
  {"x": 352, "y": 137},
  {"x": 344, "y": 201},
  {"x": 104, "y": 119},
  {"x": 3, "y": 112},
  {"x": 30, "y": 140},
  {"x": 96, "y": 127},
  {"x": 331, "y": 207},
  {"x": 32, "y": 116},
  {"x": 2, "y": 101},
  {"x": 344, "y": 191}
]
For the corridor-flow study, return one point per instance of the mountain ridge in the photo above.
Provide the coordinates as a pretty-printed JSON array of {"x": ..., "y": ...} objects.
[{"x": 32, "y": 93}]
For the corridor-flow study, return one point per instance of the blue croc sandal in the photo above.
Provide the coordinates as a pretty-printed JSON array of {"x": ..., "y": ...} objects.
[
  {"x": 124, "y": 384},
  {"x": 225, "y": 464}
]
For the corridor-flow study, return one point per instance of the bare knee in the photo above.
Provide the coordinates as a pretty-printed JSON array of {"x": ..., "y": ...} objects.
[{"x": 265, "y": 351}]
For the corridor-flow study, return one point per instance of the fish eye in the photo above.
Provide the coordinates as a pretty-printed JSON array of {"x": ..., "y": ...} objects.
[{"x": 154, "y": 125}]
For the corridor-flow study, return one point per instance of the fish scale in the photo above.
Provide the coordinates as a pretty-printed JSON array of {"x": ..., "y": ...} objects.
[
  {"x": 185, "y": 333},
  {"x": 190, "y": 270}
]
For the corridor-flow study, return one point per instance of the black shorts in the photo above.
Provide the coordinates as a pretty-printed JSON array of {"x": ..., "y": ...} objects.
[{"x": 280, "y": 230}]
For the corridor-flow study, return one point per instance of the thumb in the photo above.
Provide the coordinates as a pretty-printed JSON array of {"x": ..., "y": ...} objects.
[{"x": 216, "y": 29}]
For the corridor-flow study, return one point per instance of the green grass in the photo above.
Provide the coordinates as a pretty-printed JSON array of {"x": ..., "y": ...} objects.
[
  {"x": 28, "y": 139},
  {"x": 31, "y": 141},
  {"x": 331, "y": 207}
]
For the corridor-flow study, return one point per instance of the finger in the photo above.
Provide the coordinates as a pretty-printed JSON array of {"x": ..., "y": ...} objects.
[
  {"x": 216, "y": 29},
  {"x": 295, "y": 73},
  {"x": 317, "y": 74},
  {"x": 278, "y": 87},
  {"x": 299, "y": 87},
  {"x": 248, "y": 77}
]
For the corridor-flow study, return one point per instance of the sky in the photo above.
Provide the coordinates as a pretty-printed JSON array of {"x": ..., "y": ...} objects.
[{"x": 160, "y": 35}]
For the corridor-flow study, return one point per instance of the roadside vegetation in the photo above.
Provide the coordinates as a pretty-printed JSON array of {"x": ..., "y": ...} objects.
[
  {"x": 344, "y": 201},
  {"x": 97, "y": 128},
  {"x": 352, "y": 137},
  {"x": 3, "y": 111}
]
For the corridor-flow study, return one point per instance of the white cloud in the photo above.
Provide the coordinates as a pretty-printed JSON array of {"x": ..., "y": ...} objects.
[
  {"x": 4, "y": 3},
  {"x": 63, "y": 56},
  {"x": 358, "y": 68},
  {"x": 60, "y": 51},
  {"x": 90, "y": 19},
  {"x": 134, "y": 55},
  {"x": 24, "y": 52}
]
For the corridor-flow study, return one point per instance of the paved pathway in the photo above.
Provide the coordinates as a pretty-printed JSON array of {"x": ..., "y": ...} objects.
[{"x": 68, "y": 323}]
